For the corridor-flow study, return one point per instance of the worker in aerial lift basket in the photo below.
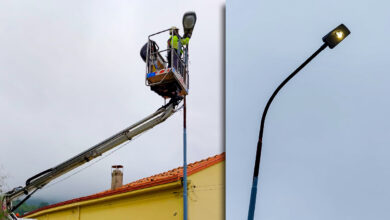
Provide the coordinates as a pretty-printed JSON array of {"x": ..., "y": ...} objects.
[{"x": 173, "y": 42}]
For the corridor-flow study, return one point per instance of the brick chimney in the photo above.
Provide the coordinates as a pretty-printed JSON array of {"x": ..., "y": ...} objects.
[{"x": 116, "y": 176}]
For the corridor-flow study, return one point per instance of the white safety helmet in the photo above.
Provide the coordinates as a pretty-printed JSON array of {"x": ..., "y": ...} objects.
[{"x": 173, "y": 28}]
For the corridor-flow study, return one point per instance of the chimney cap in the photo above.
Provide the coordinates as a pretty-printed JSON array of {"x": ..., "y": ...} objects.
[{"x": 117, "y": 166}]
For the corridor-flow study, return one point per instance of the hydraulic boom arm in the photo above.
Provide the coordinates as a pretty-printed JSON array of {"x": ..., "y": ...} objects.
[{"x": 40, "y": 180}]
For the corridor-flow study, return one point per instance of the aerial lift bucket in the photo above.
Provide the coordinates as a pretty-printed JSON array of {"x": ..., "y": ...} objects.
[{"x": 168, "y": 79}]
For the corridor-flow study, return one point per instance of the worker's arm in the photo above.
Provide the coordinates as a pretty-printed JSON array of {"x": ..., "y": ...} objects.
[
  {"x": 175, "y": 41},
  {"x": 185, "y": 41}
]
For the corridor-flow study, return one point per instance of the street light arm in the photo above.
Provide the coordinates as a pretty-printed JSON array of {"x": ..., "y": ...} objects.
[
  {"x": 256, "y": 171},
  {"x": 259, "y": 143}
]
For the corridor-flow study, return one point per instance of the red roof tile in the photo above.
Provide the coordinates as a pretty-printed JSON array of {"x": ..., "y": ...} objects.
[{"x": 158, "y": 179}]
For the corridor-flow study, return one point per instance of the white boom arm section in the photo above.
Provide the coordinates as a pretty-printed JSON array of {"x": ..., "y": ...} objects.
[{"x": 41, "y": 179}]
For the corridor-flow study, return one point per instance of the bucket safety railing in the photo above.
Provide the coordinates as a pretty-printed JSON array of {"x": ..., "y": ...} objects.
[{"x": 158, "y": 59}]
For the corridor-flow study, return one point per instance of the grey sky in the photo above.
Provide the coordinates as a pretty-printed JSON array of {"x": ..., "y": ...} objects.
[
  {"x": 326, "y": 147},
  {"x": 71, "y": 76}
]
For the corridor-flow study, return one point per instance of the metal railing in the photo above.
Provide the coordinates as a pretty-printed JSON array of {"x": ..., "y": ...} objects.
[{"x": 175, "y": 58}]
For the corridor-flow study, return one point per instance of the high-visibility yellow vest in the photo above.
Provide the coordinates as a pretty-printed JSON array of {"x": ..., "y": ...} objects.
[{"x": 174, "y": 41}]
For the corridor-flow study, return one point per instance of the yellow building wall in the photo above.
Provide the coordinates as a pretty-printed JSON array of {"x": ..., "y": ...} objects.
[
  {"x": 205, "y": 201},
  {"x": 161, "y": 205},
  {"x": 206, "y": 194}
]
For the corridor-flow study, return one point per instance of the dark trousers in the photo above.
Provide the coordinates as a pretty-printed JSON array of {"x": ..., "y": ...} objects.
[{"x": 176, "y": 61}]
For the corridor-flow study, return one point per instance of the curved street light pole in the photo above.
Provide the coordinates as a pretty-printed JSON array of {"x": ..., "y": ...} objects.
[
  {"x": 259, "y": 143},
  {"x": 332, "y": 39}
]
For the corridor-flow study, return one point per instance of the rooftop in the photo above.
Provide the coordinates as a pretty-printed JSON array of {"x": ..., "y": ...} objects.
[{"x": 158, "y": 179}]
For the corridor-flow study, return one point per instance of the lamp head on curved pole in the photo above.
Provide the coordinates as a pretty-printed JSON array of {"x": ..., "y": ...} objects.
[{"x": 336, "y": 36}]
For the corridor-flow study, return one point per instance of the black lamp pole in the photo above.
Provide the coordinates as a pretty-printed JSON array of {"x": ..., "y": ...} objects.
[{"x": 332, "y": 39}]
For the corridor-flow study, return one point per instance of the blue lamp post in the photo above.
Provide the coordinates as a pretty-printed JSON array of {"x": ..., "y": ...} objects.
[{"x": 331, "y": 39}]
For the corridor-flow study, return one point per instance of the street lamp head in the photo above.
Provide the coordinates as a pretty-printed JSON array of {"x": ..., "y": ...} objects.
[
  {"x": 189, "y": 20},
  {"x": 336, "y": 36}
]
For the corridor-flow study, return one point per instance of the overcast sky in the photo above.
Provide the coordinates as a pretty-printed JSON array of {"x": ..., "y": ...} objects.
[
  {"x": 326, "y": 145},
  {"x": 71, "y": 76}
]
